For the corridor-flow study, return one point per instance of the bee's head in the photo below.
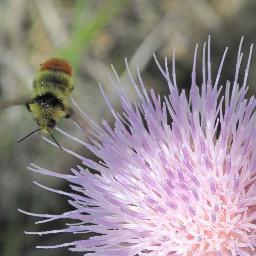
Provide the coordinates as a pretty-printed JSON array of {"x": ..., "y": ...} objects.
[
  {"x": 46, "y": 124},
  {"x": 51, "y": 123}
]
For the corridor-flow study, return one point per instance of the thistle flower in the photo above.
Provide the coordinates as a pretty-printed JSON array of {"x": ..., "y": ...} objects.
[{"x": 176, "y": 176}]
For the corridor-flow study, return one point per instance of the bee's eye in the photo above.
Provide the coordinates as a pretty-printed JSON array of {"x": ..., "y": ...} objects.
[{"x": 51, "y": 123}]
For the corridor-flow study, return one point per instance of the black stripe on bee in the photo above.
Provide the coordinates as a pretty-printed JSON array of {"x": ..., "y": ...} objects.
[
  {"x": 51, "y": 79},
  {"x": 49, "y": 100}
]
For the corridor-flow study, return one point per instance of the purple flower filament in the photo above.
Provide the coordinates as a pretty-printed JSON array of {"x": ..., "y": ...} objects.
[{"x": 181, "y": 187}]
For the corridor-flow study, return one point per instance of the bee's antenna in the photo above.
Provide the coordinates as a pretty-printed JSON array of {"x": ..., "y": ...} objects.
[
  {"x": 28, "y": 135},
  {"x": 55, "y": 140}
]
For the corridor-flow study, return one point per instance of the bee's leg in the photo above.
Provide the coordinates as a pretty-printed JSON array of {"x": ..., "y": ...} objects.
[
  {"x": 28, "y": 105},
  {"x": 69, "y": 113}
]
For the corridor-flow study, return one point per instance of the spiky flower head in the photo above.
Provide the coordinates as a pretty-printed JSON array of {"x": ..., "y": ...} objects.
[{"x": 176, "y": 176}]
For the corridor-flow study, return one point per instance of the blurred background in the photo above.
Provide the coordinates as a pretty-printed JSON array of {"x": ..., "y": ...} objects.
[{"x": 92, "y": 35}]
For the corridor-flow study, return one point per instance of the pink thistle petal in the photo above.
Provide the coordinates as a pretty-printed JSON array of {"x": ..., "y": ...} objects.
[{"x": 177, "y": 176}]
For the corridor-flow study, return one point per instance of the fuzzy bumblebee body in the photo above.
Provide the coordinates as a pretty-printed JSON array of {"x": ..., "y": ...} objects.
[{"x": 52, "y": 89}]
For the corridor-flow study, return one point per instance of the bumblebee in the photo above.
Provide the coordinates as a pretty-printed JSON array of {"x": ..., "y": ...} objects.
[{"x": 52, "y": 88}]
